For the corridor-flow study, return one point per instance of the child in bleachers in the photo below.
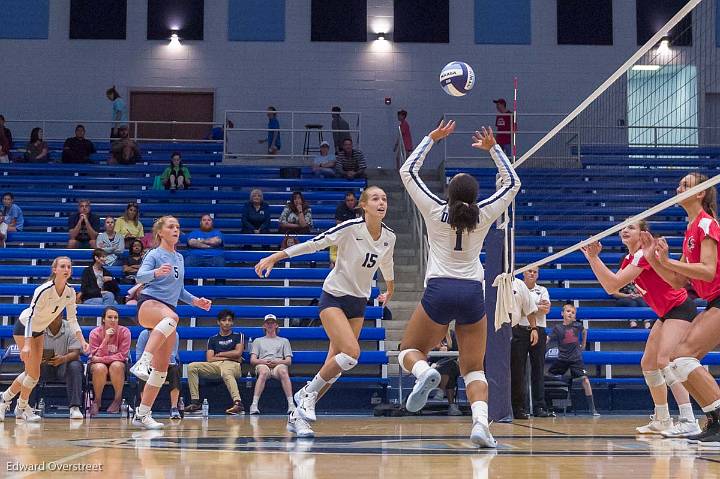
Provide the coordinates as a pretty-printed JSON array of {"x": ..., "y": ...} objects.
[{"x": 570, "y": 338}]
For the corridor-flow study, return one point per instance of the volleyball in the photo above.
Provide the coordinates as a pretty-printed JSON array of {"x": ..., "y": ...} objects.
[{"x": 457, "y": 78}]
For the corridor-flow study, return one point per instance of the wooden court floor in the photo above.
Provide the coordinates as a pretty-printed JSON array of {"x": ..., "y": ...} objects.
[{"x": 346, "y": 447}]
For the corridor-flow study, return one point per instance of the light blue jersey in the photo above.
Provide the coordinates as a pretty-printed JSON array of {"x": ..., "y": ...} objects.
[{"x": 168, "y": 288}]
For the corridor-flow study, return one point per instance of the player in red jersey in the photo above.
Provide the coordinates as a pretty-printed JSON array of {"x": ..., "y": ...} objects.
[
  {"x": 676, "y": 312},
  {"x": 698, "y": 265}
]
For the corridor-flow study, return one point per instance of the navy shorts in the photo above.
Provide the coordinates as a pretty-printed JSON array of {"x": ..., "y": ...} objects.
[
  {"x": 144, "y": 297},
  {"x": 352, "y": 306},
  {"x": 685, "y": 311},
  {"x": 447, "y": 299},
  {"x": 560, "y": 367},
  {"x": 19, "y": 330}
]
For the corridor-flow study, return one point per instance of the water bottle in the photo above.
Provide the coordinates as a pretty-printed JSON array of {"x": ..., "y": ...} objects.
[
  {"x": 123, "y": 408},
  {"x": 205, "y": 408},
  {"x": 248, "y": 380},
  {"x": 41, "y": 407},
  {"x": 181, "y": 407}
]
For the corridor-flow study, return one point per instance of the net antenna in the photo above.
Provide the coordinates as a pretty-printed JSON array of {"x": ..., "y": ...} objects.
[{"x": 653, "y": 99}]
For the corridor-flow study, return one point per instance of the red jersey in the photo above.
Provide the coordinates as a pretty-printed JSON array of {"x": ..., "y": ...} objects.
[
  {"x": 703, "y": 226},
  {"x": 659, "y": 295}
]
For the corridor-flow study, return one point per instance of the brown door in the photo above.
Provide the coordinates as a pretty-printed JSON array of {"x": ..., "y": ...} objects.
[{"x": 172, "y": 106}]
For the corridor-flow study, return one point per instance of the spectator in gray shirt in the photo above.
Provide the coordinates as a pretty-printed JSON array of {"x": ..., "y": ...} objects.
[
  {"x": 271, "y": 355},
  {"x": 340, "y": 128},
  {"x": 61, "y": 362},
  {"x": 111, "y": 242}
]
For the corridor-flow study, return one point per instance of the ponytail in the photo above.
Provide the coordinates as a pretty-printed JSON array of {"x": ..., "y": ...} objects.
[
  {"x": 463, "y": 212},
  {"x": 709, "y": 201}
]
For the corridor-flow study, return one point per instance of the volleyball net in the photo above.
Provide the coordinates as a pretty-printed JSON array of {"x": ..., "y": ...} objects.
[{"x": 618, "y": 156}]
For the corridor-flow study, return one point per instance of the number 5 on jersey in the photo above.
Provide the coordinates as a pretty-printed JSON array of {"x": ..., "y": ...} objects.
[
  {"x": 370, "y": 260},
  {"x": 177, "y": 272}
]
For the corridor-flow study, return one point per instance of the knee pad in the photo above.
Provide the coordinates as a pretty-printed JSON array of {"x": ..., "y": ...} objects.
[
  {"x": 345, "y": 361},
  {"x": 402, "y": 355},
  {"x": 29, "y": 382},
  {"x": 157, "y": 378},
  {"x": 474, "y": 376},
  {"x": 21, "y": 377},
  {"x": 654, "y": 378},
  {"x": 682, "y": 367},
  {"x": 670, "y": 378},
  {"x": 166, "y": 326},
  {"x": 334, "y": 379}
]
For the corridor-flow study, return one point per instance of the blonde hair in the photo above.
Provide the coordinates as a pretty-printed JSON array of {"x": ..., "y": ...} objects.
[
  {"x": 55, "y": 263},
  {"x": 158, "y": 226},
  {"x": 365, "y": 197}
]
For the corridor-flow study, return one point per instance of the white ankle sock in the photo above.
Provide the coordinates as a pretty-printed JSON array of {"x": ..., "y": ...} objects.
[
  {"x": 480, "y": 412},
  {"x": 420, "y": 367},
  {"x": 22, "y": 403},
  {"x": 143, "y": 410},
  {"x": 290, "y": 401},
  {"x": 256, "y": 400},
  {"x": 315, "y": 385},
  {"x": 686, "y": 411},
  {"x": 146, "y": 357},
  {"x": 8, "y": 395},
  {"x": 662, "y": 412}
]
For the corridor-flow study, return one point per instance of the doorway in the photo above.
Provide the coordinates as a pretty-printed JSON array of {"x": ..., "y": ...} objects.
[{"x": 178, "y": 106}]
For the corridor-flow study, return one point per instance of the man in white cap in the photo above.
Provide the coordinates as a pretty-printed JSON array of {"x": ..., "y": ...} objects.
[
  {"x": 324, "y": 163},
  {"x": 271, "y": 356}
]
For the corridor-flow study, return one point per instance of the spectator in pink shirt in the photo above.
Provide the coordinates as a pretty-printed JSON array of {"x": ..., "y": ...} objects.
[
  {"x": 109, "y": 348},
  {"x": 407, "y": 143}
]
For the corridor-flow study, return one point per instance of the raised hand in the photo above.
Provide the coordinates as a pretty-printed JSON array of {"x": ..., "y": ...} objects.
[
  {"x": 484, "y": 140},
  {"x": 592, "y": 250},
  {"x": 442, "y": 131},
  {"x": 663, "y": 250}
]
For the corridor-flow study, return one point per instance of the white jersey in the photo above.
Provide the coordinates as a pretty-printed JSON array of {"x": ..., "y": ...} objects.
[
  {"x": 46, "y": 304},
  {"x": 524, "y": 303},
  {"x": 538, "y": 293},
  {"x": 358, "y": 257},
  {"x": 452, "y": 256}
]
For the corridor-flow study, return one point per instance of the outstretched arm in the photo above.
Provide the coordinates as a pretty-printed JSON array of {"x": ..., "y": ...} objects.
[
  {"x": 494, "y": 206},
  {"x": 611, "y": 282}
]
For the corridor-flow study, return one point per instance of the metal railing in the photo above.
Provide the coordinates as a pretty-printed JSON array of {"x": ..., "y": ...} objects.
[
  {"x": 242, "y": 139},
  {"x": 417, "y": 224}
]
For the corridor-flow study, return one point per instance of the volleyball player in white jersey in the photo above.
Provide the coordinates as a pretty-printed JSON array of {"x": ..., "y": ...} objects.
[
  {"x": 364, "y": 245},
  {"x": 163, "y": 274},
  {"x": 456, "y": 230},
  {"x": 49, "y": 300}
]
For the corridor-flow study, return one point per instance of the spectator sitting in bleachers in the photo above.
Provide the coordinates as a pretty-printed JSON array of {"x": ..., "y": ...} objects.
[
  {"x": 449, "y": 370},
  {"x": 174, "y": 372},
  {"x": 176, "y": 176},
  {"x": 110, "y": 241},
  {"x": 205, "y": 245},
  {"x": 350, "y": 163},
  {"x": 4, "y": 148},
  {"x": 256, "y": 215},
  {"x": 347, "y": 209},
  {"x": 324, "y": 162},
  {"x": 6, "y": 131},
  {"x": 296, "y": 217},
  {"x": 124, "y": 150},
  {"x": 109, "y": 348},
  {"x": 223, "y": 360},
  {"x": 629, "y": 296},
  {"x": 133, "y": 261},
  {"x": 570, "y": 338},
  {"x": 11, "y": 217},
  {"x": 36, "y": 150},
  {"x": 129, "y": 225},
  {"x": 78, "y": 149},
  {"x": 83, "y": 227},
  {"x": 96, "y": 282},
  {"x": 271, "y": 356},
  {"x": 61, "y": 362}
]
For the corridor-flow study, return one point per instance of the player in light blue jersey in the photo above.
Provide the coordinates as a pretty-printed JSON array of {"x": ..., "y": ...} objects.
[{"x": 163, "y": 273}]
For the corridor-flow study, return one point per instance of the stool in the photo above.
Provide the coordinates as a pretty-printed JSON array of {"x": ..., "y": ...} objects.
[{"x": 309, "y": 129}]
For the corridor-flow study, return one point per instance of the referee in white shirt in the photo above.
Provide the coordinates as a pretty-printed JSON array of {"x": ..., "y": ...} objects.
[{"x": 529, "y": 337}]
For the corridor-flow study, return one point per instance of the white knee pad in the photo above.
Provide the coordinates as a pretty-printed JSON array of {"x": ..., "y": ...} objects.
[
  {"x": 682, "y": 367},
  {"x": 474, "y": 376},
  {"x": 334, "y": 379},
  {"x": 402, "y": 355},
  {"x": 21, "y": 377},
  {"x": 29, "y": 382},
  {"x": 157, "y": 378},
  {"x": 654, "y": 378},
  {"x": 166, "y": 326},
  {"x": 670, "y": 378},
  {"x": 345, "y": 361}
]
